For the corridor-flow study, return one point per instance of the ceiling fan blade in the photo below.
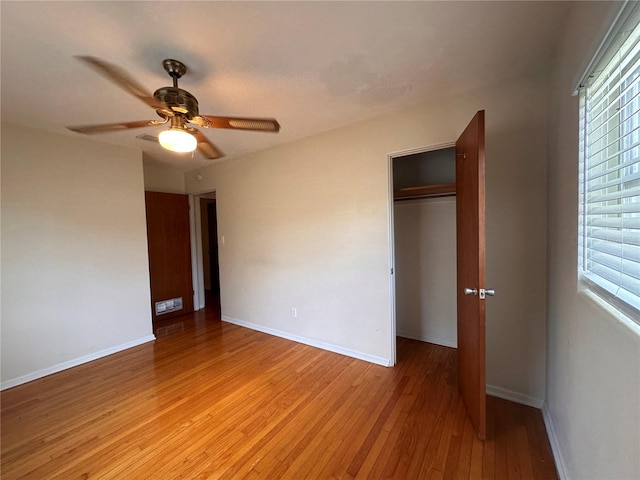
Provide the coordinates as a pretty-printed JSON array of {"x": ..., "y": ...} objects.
[
  {"x": 205, "y": 147},
  {"x": 240, "y": 123},
  {"x": 125, "y": 81},
  {"x": 113, "y": 127}
]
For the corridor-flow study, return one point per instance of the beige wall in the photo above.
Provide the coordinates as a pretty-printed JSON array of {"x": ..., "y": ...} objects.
[
  {"x": 425, "y": 253},
  {"x": 593, "y": 381},
  {"x": 306, "y": 226},
  {"x": 163, "y": 179},
  {"x": 292, "y": 227},
  {"x": 75, "y": 281}
]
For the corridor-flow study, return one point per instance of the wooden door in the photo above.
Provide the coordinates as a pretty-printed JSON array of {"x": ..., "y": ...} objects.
[
  {"x": 470, "y": 231},
  {"x": 169, "y": 251}
]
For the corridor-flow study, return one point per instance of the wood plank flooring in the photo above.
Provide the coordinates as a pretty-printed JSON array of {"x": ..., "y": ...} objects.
[{"x": 209, "y": 399}]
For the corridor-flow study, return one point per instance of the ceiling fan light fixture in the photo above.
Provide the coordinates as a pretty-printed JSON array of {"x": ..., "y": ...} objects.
[
  {"x": 173, "y": 104},
  {"x": 177, "y": 139}
]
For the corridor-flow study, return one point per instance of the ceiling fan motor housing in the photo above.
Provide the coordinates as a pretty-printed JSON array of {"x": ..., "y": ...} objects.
[{"x": 178, "y": 100}]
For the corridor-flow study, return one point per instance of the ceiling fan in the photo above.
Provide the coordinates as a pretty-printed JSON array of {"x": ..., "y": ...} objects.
[{"x": 174, "y": 106}]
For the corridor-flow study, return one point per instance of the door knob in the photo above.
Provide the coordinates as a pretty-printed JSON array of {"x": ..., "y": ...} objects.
[{"x": 484, "y": 292}]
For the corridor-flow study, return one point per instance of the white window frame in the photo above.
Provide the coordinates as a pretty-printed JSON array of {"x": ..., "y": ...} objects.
[{"x": 609, "y": 174}]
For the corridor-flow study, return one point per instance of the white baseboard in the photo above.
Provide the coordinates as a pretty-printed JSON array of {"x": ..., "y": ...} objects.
[
  {"x": 74, "y": 363},
  {"x": 552, "y": 434},
  {"x": 445, "y": 342},
  {"x": 512, "y": 396},
  {"x": 311, "y": 342}
]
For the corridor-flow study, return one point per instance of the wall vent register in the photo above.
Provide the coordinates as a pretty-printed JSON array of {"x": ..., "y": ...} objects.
[{"x": 167, "y": 306}]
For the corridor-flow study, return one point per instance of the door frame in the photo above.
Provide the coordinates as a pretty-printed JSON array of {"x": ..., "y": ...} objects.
[
  {"x": 197, "y": 257},
  {"x": 391, "y": 236}
]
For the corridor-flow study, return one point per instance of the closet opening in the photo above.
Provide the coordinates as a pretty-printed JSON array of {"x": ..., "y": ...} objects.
[{"x": 423, "y": 219}]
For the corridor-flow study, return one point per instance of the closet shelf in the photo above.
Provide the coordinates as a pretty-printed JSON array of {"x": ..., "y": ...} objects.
[{"x": 440, "y": 189}]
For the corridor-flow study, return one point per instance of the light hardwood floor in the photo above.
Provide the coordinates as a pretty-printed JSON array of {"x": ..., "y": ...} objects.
[{"x": 209, "y": 399}]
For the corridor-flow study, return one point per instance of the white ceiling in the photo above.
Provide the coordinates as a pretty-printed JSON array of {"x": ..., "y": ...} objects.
[{"x": 314, "y": 66}]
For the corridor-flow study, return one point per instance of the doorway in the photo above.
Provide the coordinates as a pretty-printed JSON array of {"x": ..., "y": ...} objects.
[
  {"x": 205, "y": 257},
  {"x": 471, "y": 291},
  {"x": 210, "y": 263},
  {"x": 423, "y": 223}
]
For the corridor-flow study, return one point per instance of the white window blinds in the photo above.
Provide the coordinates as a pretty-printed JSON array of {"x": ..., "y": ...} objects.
[{"x": 609, "y": 230}]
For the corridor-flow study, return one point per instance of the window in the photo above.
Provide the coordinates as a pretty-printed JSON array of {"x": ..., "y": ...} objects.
[{"x": 609, "y": 229}]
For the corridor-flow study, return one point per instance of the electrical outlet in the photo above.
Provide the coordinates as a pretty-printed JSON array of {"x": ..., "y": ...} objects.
[{"x": 294, "y": 312}]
